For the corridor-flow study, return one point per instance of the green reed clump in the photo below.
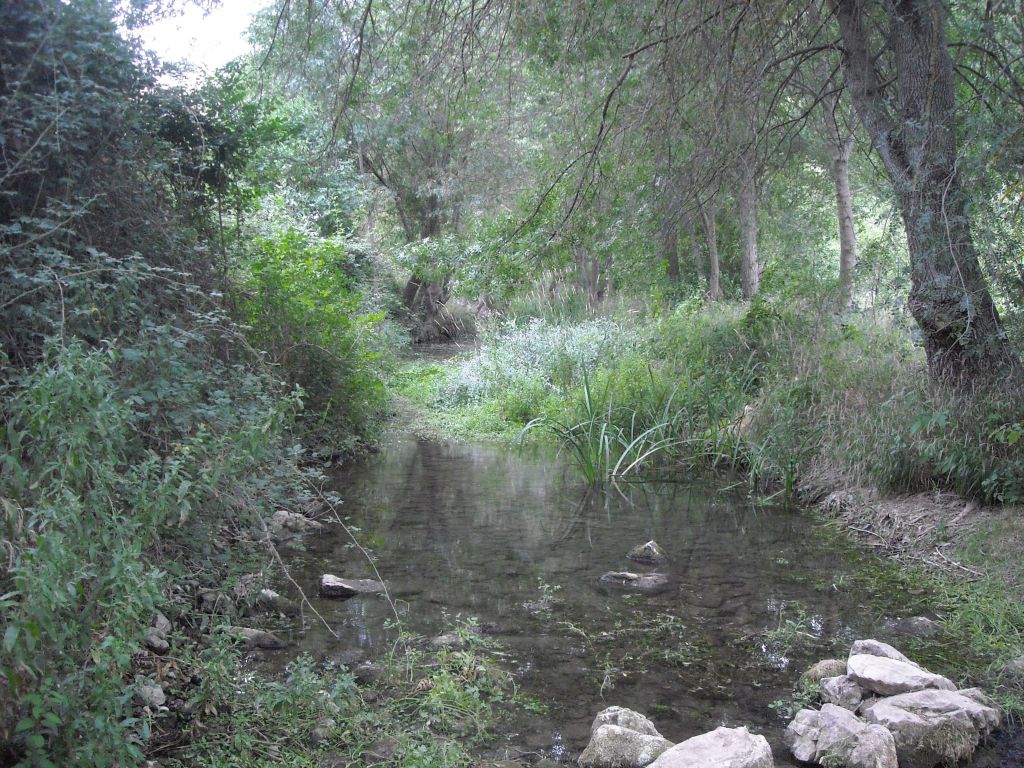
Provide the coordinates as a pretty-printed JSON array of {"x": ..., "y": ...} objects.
[{"x": 607, "y": 441}]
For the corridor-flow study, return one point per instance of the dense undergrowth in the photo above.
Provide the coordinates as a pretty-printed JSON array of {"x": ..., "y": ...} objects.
[{"x": 157, "y": 373}]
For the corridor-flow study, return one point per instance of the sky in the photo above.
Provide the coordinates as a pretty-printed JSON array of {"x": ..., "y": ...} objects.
[{"x": 205, "y": 40}]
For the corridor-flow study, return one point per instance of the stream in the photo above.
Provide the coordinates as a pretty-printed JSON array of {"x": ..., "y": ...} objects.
[{"x": 515, "y": 542}]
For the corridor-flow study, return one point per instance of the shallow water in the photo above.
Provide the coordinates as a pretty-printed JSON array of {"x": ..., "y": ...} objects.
[{"x": 476, "y": 531}]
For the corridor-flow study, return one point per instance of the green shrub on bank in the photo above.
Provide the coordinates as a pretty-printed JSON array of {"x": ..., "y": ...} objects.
[
  {"x": 301, "y": 299},
  {"x": 791, "y": 396},
  {"x": 117, "y": 483}
]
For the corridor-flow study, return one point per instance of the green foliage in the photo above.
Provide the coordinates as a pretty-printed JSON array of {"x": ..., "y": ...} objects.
[
  {"x": 601, "y": 448},
  {"x": 301, "y": 300},
  {"x": 99, "y": 466},
  {"x": 268, "y": 722}
]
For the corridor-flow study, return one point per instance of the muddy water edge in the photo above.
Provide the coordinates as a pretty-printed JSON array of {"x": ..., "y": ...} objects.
[{"x": 514, "y": 543}]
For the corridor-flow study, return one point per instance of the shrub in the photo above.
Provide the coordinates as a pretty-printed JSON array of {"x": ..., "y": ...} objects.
[{"x": 303, "y": 305}]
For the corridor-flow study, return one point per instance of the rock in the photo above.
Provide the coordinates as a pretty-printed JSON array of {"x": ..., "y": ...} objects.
[
  {"x": 842, "y": 691},
  {"x": 648, "y": 554},
  {"x": 149, "y": 693},
  {"x": 162, "y": 625},
  {"x": 835, "y": 737},
  {"x": 613, "y": 746},
  {"x": 383, "y": 750},
  {"x": 332, "y": 586},
  {"x": 801, "y": 735},
  {"x": 877, "y": 648},
  {"x": 914, "y": 626},
  {"x": 323, "y": 730},
  {"x": 721, "y": 748},
  {"x": 212, "y": 601},
  {"x": 256, "y": 638},
  {"x": 889, "y": 676},
  {"x": 644, "y": 582},
  {"x": 1015, "y": 668},
  {"x": 624, "y": 718},
  {"x": 269, "y": 600},
  {"x": 285, "y": 525},
  {"x": 935, "y": 726},
  {"x": 448, "y": 640},
  {"x": 823, "y": 669},
  {"x": 156, "y": 642},
  {"x": 368, "y": 673}
]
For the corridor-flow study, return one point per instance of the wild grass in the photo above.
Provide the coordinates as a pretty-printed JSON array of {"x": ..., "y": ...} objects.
[{"x": 600, "y": 447}]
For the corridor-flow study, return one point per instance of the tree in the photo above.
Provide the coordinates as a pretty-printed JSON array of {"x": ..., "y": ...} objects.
[{"x": 910, "y": 113}]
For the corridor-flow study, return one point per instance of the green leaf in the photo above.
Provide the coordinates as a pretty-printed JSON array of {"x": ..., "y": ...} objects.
[{"x": 10, "y": 638}]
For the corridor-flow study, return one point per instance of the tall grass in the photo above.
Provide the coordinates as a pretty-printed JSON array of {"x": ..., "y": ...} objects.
[{"x": 600, "y": 446}]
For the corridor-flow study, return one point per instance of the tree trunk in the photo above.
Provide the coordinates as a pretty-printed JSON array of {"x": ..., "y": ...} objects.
[
  {"x": 670, "y": 246},
  {"x": 747, "y": 200},
  {"x": 963, "y": 335},
  {"x": 714, "y": 272},
  {"x": 844, "y": 209},
  {"x": 695, "y": 255}
]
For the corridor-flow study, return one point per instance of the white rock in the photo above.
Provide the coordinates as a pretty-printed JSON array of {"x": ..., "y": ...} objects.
[
  {"x": 935, "y": 726},
  {"x": 649, "y": 553},
  {"x": 721, "y": 748},
  {"x": 625, "y": 718},
  {"x": 842, "y": 691},
  {"x": 834, "y": 736},
  {"x": 889, "y": 676},
  {"x": 612, "y": 746},
  {"x": 149, "y": 693},
  {"x": 333, "y": 586},
  {"x": 801, "y": 735},
  {"x": 877, "y": 648}
]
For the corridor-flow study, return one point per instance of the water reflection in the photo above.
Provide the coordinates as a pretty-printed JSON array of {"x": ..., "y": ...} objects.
[{"x": 477, "y": 531}]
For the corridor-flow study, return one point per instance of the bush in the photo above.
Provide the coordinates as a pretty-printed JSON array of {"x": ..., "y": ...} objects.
[{"x": 301, "y": 299}]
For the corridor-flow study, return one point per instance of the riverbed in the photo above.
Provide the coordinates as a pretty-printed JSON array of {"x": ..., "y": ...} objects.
[{"x": 513, "y": 543}]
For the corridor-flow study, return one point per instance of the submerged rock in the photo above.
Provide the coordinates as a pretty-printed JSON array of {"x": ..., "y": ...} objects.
[
  {"x": 889, "y": 676},
  {"x": 256, "y": 638},
  {"x": 643, "y": 582},
  {"x": 836, "y": 737},
  {"x": 721, "y": 748},
  {"x": 935, "y": 726},
  {"x": 648, "y": 554},
  {"x": 914, "y": 626},
  {"x": 333, "y": 586},
  {"x": 613, "y": 746},
  {"x": 269, "y": 600}
]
